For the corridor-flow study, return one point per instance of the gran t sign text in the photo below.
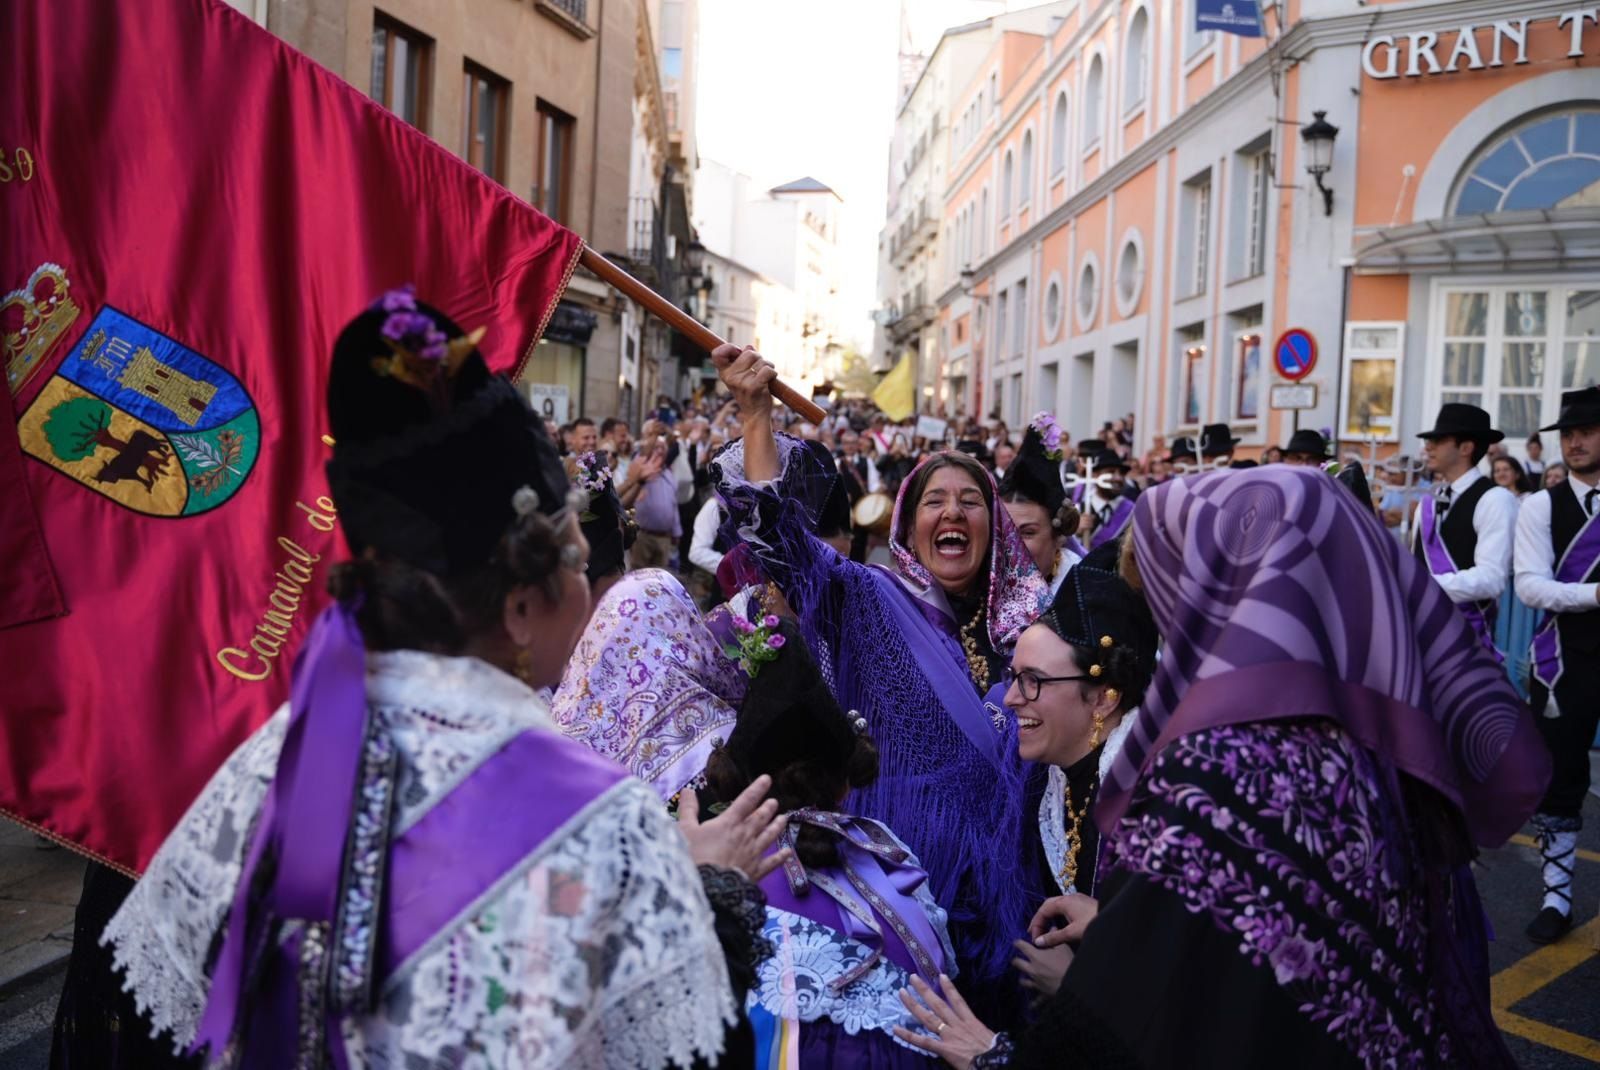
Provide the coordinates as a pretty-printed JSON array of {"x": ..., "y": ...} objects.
[{"x": 1447, "y": 51}]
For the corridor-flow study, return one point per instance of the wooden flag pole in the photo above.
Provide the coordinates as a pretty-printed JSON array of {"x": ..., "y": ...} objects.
[{"x": 681, "y": 321}]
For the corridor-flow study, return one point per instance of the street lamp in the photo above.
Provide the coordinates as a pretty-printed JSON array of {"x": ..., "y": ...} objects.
[{"x": 1318, "y": 136}]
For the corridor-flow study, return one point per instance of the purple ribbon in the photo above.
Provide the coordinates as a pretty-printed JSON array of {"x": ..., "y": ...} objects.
[
  {"x": 1580, "y": 558},
  {"x": 880, "y": 871},
  {"x": 1440, "y": 563},
  {"x": 312, "y": 794},
  {"x": 1121, "y": 513}
]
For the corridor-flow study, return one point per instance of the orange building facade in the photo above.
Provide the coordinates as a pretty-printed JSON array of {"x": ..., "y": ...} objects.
[{"x": 1129, "y": 224}]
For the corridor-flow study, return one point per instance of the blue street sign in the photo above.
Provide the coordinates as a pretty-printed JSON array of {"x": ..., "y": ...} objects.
[
  {"x": 1295, "y": 354},
  {"x": 1241, "y": 17}
]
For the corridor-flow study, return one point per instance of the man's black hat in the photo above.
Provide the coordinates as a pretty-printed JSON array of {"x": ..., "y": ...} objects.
[
  {"x": 1306, "y": 440},
  {"x": 1579, "y": 408},
  {"x": 1216, "y": 440},
  {"x": 1460, "y": 420}
]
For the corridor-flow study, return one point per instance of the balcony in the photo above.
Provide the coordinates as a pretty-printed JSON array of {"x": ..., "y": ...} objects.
[
  {"x": 914, "y": 232},
  {"x": 912, "y": 314},
  {"x": 571, "y": 15},
  {"x": 646, "y": 248}
]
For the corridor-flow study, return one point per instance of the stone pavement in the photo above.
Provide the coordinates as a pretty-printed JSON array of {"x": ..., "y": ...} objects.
[{"x": 39, "y": 888}]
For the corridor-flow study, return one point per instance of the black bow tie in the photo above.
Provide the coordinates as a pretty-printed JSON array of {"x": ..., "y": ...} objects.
[{"x": 1444, "y": 499}]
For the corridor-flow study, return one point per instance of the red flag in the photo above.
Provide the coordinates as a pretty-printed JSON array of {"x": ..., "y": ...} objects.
[{"x": 191, "y": 211}]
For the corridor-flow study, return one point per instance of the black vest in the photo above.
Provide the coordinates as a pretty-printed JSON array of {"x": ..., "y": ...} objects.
[
  {"x": 1579, "y": 631},
  {"x": 1456, "y": 530}
]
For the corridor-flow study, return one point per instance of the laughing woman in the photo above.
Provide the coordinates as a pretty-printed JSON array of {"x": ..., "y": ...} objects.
[{"x": 916, "y": 649}]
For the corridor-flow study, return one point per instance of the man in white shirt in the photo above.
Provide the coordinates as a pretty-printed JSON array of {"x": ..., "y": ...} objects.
[
  {"x": 1558, "y": 566},
  {"x": 703, "y": 552},
  {"x": 1464, "y": 530}
]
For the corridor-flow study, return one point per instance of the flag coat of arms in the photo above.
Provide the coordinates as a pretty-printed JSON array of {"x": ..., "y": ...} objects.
[{"x": 183, "y": 242}]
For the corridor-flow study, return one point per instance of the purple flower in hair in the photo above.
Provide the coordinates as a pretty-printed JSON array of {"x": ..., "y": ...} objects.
[
  {"x": 775, "y": 641},
  {"x": 401, "y": 297},
  {"x": 770, "y": 620}
]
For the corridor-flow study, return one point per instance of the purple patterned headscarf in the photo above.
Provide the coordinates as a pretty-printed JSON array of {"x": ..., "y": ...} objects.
[
  {"x": 1277, "y": 598},
  {"x": 1017, "y": 592},
  {"x": 648, "y": 685}
]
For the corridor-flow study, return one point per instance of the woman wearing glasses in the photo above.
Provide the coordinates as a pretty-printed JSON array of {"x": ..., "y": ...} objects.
[{"x": 1075, "y": 680}]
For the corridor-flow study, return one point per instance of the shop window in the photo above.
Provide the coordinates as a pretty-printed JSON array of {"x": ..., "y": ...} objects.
[
  {"x": 1548, "y": 161},
  {"x": 1369, "y": 393},
  {"x": 1191, "y": 346}
]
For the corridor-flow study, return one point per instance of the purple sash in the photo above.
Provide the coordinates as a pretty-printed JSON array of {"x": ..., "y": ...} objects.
[
  {"x": 1580, "y": 558},
  {"x": 883, "y": 877},
  {"x": 459, "y": 850},
  {"x": 1440, "y": 563},
  {"x": 1121, "y": 513}
]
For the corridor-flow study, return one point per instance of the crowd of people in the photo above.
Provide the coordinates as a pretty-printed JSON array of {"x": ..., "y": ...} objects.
[{"x": 752, "y": 742}]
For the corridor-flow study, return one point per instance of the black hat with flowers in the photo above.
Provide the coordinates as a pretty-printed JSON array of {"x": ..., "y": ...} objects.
[
  {"x": 788, "y": 714},
  {"x": 1035, "y": 475},
  {"x": 434, "y": 456}
]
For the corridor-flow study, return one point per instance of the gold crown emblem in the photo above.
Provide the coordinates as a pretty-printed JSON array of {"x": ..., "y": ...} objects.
[{"x": 33, "y": 319}]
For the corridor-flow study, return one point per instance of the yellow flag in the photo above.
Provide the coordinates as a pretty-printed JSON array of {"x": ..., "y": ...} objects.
[{"x": 895, "y": 395}]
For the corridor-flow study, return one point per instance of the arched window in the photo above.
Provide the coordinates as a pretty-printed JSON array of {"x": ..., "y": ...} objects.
[
  {"x": 1135, "y": 60},
  {"x": 1549, "y": 161},
  {"x": 985, "y": 225},
  {"x": 1094, "y": 103},
  {"x": 1058, "y": 135},
  {"x": 1005, "y": 186},
  {"x": 1025, "y": 179}
]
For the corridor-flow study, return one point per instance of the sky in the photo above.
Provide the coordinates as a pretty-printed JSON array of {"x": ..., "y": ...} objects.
[{"x": 791, "y": 89}]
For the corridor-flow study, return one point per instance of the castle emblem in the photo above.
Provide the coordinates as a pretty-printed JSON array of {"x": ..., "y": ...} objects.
[
  {"x": 32, "y": 319},
  {"x": 142, "y": 419}
]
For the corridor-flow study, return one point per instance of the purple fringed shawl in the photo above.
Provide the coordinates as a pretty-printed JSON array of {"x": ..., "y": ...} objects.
[
  {"x": 1278, "y": 597},
  {"x": 950, "y": 783}
]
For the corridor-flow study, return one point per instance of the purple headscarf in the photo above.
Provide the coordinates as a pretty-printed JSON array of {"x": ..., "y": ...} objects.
[
  {"x": 648, "y": 685},
  {"x": 1277, "y": 598},
  {"x": 1017, "y": 593}
]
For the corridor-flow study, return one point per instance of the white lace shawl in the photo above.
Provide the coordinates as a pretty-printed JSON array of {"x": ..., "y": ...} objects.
[
  {"x": 1052, "y": 819},
  {"x": 596, "y": 951}
]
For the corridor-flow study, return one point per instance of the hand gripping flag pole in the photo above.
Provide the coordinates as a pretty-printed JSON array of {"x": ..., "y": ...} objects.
[{"x": 686, "y": 324}]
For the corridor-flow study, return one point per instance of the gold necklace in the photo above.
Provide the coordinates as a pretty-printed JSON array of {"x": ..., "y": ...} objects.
[
  {"x": 977, "y": 664},
  {"x": 1069, "y": 864}
]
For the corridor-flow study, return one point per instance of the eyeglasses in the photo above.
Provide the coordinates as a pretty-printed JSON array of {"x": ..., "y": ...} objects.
[{"x": 1031, "y": 683}]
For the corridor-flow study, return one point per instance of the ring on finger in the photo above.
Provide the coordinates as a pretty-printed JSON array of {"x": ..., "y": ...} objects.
[{"x": 940, "y": 1030}]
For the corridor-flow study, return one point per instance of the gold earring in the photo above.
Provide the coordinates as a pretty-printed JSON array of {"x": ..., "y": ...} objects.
[
  {"x": 1113, "y": 694},
  {"x": 1094, "y": 733},
  {"x": 524, "y": 667}
]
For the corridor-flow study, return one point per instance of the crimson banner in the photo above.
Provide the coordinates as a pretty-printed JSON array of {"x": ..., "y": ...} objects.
[{"x": 191, "y": 210}]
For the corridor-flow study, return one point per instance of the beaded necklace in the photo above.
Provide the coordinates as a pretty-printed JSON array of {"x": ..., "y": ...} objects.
[
  {"x": 1069, "y": 862},
  {"x": 977, "y": 663}
]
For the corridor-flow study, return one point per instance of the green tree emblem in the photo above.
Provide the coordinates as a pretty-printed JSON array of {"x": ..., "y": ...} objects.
[{"x": 76, "y": 428}]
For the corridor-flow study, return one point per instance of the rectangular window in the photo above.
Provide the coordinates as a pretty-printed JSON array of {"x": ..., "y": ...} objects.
[
  {"x": 1198, "y": 236},
  {"x": 1371, "y": 381},
  {"x": 1019, "y": 337},
  {"x": 1259, "y": 197},
  {"x": 485, "y": 103},
  {"x": 672, "y": 63},
  {"x": 1192, "y": 387},
  {"x": 1000, "y": 311},
  {"x": 1014, "y": 408},
  {"x": 552, "y": 194},
  {"x": 401, "y": 62}
]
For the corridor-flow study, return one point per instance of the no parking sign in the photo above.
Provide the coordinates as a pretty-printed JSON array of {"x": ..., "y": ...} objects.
[{"x": 1295, "y": 354}]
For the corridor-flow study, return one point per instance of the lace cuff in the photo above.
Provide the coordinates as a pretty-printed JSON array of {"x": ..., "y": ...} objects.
[
  {"x": 739, "y": 912},
  {"x": 999, "y": 1053}
]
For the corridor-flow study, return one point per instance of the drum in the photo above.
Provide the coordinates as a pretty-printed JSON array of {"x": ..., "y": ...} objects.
[{"x": 873, "y": 513}]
